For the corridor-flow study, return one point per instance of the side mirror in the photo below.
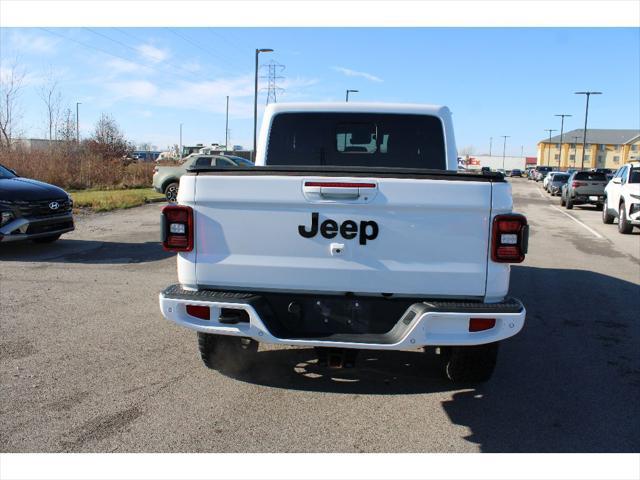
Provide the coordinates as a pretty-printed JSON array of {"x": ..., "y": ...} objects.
[{"x": 616, "y": 180}]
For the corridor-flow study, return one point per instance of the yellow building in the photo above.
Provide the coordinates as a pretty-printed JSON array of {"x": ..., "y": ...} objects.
[{"x": 605, "y": 149}]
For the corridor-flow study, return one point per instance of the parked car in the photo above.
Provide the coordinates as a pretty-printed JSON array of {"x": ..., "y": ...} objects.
[
  {"x": 584, "y": 188},
  {"x": 547, "y": 179},
  {"x": 32, "y": 210},
  {"x": 515, "y": 173},
  {"x": 166, "y": 179},
  {"x": 540, "y": 172},
  {"x": 622, "y": 198},
  {"x": 299, "y": 253},
  {"x": 554, "y": 187},
  {"x": 485, "y": 169}
]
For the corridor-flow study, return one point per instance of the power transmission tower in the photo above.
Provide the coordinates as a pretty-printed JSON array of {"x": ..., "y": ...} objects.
[{"x": 274, "y": 75}]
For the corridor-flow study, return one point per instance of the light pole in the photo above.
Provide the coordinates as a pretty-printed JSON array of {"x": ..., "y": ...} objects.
[
  {"x": 348, "y": 92},
  {"x": 504, "y": 149},
  {"x": 78, "y": 122},
  {"x": 490, "y": 144},
  {"x": 180, "y": 152},
  {"x": 255, "y": 100},
  {"x": 226, "y": 128},
  {"x": 575, "y": 149},
  {"x": 586, "y": 115},
  {"x": 561, "y": 115},
  {"x": 549, "y": 149}
]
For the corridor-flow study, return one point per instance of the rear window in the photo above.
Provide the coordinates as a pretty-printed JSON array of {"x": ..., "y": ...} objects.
[
  {"x": 634, "y": 176},
  {"x": 357, "y": 139},
  {"x": 591, "y": 176},
  {"x": 560, "y": 178}
]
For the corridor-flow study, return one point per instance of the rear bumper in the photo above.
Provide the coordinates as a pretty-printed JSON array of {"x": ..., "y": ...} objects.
[
  {"x": 594, "y": 198},
  {"x": 39, "y": 227},
  {"x": 427, "y": 323}
]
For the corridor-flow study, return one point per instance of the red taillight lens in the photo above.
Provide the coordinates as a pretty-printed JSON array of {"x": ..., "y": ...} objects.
[
  {"x": 576, "y": 184},
  {"x": 177, "y": 228},
  {"x": 199, "y": 311},
  {"x": 480, "y": 324},
  {"x": 509, "y": 238}
]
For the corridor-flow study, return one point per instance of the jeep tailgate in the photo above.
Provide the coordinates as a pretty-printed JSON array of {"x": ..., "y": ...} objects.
[{"x": 257, "y": 232}]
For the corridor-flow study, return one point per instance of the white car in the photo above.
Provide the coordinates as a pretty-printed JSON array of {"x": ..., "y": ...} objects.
[
  {"x": 353, "y": 232},
  {"x": 622, "y": 198},
  {"x": 548, "y": 178}
]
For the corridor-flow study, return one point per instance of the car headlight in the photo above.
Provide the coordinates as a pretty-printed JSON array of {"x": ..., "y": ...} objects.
[{"x": 6, "y": 217}]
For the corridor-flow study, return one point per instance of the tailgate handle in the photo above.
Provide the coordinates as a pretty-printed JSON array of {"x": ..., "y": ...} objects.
[{"x": 340, "y": 190}]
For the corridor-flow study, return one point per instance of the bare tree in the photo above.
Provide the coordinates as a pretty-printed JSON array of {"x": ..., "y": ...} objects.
[
  {"x": 52, "y": 98},
  {"x": 11, "y": 82},
  {"x": 108, "y": 140},
  {"x": 66, "y": 130}
]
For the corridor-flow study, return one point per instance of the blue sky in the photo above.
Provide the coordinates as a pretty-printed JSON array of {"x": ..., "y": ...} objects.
[{"x": 497, "y": 81}]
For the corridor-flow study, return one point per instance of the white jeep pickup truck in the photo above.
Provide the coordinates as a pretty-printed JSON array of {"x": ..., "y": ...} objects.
[{"x": 354, "y": 231}]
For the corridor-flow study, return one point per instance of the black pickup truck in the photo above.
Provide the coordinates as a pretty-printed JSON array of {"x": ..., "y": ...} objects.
[{"x": 32, "y": 210}]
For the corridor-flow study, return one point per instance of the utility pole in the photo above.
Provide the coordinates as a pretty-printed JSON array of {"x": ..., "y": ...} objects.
[
  {"x": 561, "y": 115},
  {"x": 490, "y": 144},
  {"x": 180, "y": 152},
  {"x": 226, "y": 128},
  {"x": 348, "y": 92},
  {"x": 255, "y": 100},
  {"x": 549, "y": 149},
  {"x": 521, "y": 152},
  {"x": 504, "y": 149},
  {"x": 78, "y": 122},
  {"x": 586, "y": 115}
]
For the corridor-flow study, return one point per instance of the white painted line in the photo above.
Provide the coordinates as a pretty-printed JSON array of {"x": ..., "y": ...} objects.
[
  {"x": 596, "y": 234},
  {"x": 541, "y": 194}
]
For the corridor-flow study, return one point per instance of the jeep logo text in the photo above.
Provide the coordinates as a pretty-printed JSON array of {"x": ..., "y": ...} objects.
[{"x": 367, "y": 230}]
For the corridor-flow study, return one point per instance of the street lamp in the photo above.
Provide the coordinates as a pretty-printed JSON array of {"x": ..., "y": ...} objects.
[
  {"x": 255, "y": 100},
  {"x": 350, "y": 91},
  {"x": 549, "y": 149},
  {"x": 490, "y": 144},
  {"x": 78, "y": 122},
  {"x": 586, "y": 115},
  {"x": 504, "y": 149},
  {"x": 561, "y": 115}
]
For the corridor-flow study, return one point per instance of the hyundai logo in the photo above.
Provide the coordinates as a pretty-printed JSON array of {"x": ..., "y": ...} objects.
[{"x": 54, "y": 205}]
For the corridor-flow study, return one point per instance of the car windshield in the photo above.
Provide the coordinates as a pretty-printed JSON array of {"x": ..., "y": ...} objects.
[
  {"x": 634, "y": 176},
  {"x": 591, "y": 176},
  {"x": 6, "y": 173}
]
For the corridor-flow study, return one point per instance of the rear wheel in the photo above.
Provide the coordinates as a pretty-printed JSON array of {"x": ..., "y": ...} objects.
[
  {"x": 171, "y": 192},
  {"x": 49, "y": 239},
  {"x": 226, "y": 352},
  {"x": 606, "y": 216},
  {"x": 473, "y": 364},
  {"x": 623, "y": 224},
  {"x": 569, "y": 202},
  {"x": 562, "y": 200}
]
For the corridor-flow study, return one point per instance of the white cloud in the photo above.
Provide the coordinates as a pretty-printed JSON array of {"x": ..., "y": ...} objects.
[
  {"x": 151, "y": 53},
  {"x": 116, "y": 65},
  {"x": 354, "y": 73},
  {"x": 24, "y": 42},
  {"x": 141, "y": 89}
]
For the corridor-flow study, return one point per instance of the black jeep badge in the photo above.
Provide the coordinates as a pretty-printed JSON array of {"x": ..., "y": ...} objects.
[{"x": 348, "y": 230}]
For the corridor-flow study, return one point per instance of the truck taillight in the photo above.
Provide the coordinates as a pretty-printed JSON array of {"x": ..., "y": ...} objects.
[
  {"x": 576, "y": 184},
  {"x": 509, "y": 238},
  {"x": 176, "y": 228}
]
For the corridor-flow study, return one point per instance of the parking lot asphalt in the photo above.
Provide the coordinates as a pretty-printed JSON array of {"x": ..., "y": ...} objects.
[{"x": 88, "y": 364}]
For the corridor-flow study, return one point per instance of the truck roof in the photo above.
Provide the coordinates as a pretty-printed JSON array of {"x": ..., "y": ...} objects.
[{"x": 366, "y": 107}]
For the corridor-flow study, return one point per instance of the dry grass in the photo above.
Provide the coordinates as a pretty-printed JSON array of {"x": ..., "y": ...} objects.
[
  {"x": 76, "y": 168},
  {"x": 106, "y": 200}
]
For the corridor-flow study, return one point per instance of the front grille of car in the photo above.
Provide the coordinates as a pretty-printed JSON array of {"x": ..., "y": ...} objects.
[
  {"x": 42, "y": 208},
  {"x": 48, "y": 227}
]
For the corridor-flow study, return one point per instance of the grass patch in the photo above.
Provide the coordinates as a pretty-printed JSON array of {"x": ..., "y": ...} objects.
[{"x": 106, "y": 200}]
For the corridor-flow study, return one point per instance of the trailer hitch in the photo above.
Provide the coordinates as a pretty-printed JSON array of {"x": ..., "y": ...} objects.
[{"x": 336, "y": 358}]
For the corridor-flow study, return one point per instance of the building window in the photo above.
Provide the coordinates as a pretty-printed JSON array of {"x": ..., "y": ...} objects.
[
  {"x": 572, "y": 158},
  {"x": 616, "y": 159},
  {"x": 634, "y": 148},
  {"x": 587, "y": 158},
  {"x": 572, "y": 145},
  {"x": 603, "y": 147},
  {"x": 617, "y": 147},
  {"x": 588, "y": 145},
  {"x": 556, "y": 156},
  {"x": 599, "y": 158},
  {"x": 557, "y": 145}
]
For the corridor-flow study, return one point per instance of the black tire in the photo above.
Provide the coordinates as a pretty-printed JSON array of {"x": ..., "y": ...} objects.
[
  {"x": 171, "y": 192},
  {"x": 569, "y": 202},
  {"x": 606, "y": 216},
  {"x": 473, "y": 364},
  {"x": 226, "y": 352},
  {"x": 623, "y": 223},
  {"x": 49, "y": 239},
  {"x": 562, "y": 200}
]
